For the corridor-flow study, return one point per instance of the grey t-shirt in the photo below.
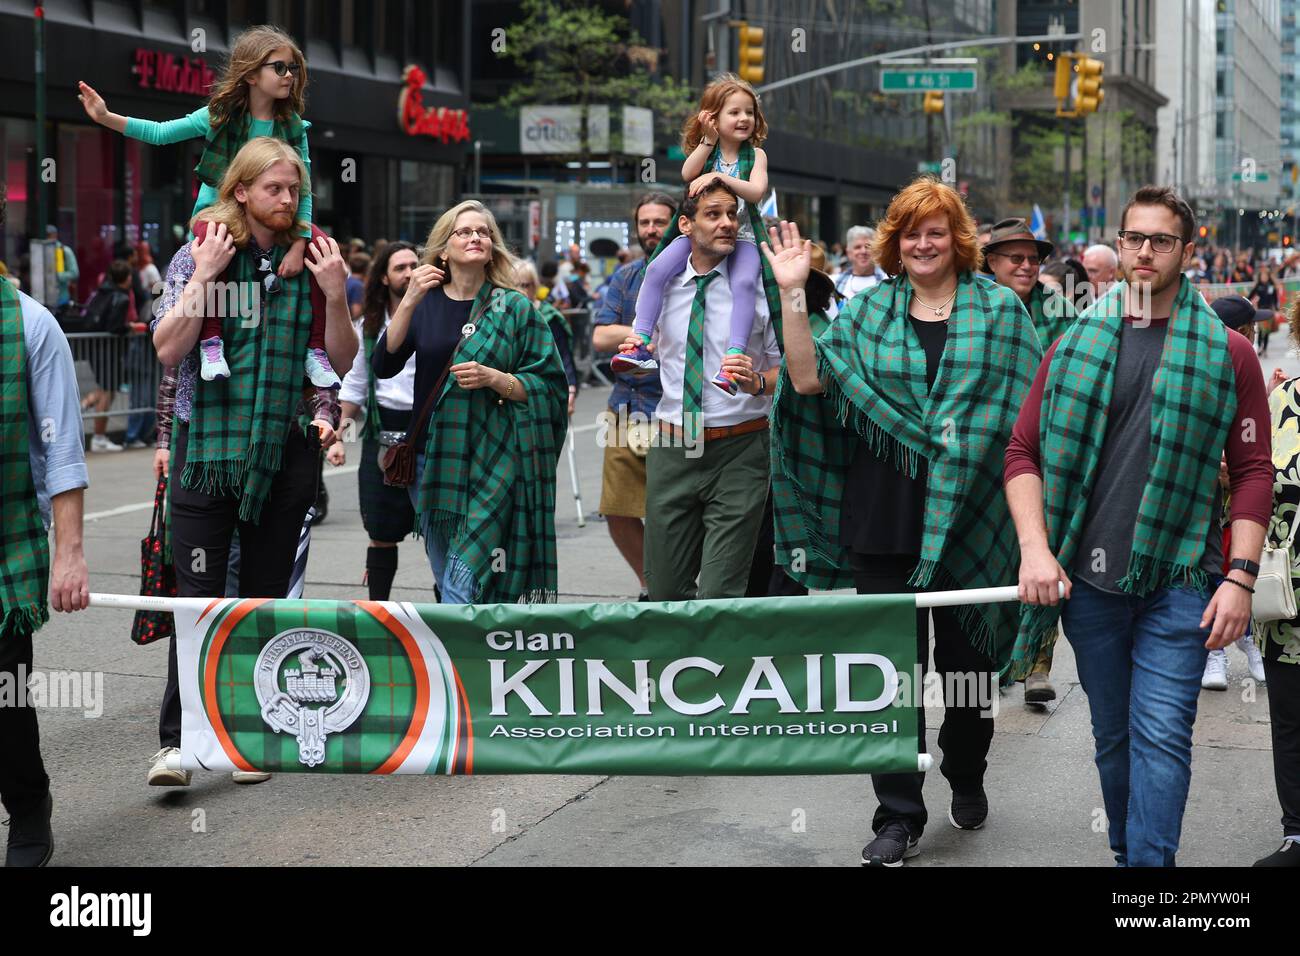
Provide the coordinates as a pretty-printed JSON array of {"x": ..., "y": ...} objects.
[{"x": 1107, "y": 538}]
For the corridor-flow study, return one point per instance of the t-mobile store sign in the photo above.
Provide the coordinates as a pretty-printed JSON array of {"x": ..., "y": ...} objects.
[{"x": 170, "y": 73}]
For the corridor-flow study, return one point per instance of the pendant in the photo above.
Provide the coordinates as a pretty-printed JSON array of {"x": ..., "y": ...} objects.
[{"x": 939, "y": 313}]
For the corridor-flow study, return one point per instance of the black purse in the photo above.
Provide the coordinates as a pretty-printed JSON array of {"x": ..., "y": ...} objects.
[{"x": 157, "y": 575}]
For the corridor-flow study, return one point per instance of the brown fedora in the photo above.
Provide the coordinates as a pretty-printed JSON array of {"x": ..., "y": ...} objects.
[{"x": 1016, "y": 230}]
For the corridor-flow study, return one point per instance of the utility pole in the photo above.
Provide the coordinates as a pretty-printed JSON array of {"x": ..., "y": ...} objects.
[{"x": 42, "y": 197}]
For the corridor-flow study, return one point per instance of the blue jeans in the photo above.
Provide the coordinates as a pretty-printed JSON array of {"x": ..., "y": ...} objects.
[
  {"x": 1140, "y": 662},
  {"x": 455, "y": 578}
]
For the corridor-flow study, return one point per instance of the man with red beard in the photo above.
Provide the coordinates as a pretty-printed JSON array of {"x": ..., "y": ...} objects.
[
  {"x": 239, "y": 456},
  {"x": 1112, "y": 480}
]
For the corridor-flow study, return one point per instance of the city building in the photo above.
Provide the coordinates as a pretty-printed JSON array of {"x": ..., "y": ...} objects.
[
  {"x": 375, "y": 172},
  {"x": 1186, "y": 75}
]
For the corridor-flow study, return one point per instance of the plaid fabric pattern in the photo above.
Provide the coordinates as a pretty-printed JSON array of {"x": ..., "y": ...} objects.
[
  {"x": 372, "y": 426},
  {"x": 238, "y": 426},
  {"x": 368, "y": 741},
  {"x": 770, "y": 288},
  {"x": 489, "y": 477},
  {"x": 693, "y": 377},
  {"x": 633, "y": 392},
  {"x": 224, "y": 141},
  {"x": 1193, "y": 403},
  {"x": 1051, "y": 313},
  {"x": 873, "y": 369},
  {"x": 24, "y": 544}
]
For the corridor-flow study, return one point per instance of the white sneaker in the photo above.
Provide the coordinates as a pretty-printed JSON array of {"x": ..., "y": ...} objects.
[
  {"x": 161, "y": 776},
  {"x": 249, "y": 776},
  {"x": 1216, "y": 671},
  {"x": 1254, "y": 660},
  {"x": 102, "y": 443},
  {"x": 137, "y": 444}
]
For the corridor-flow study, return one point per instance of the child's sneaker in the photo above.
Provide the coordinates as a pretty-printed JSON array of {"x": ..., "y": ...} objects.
[
  {"x": 640, "y": 359},
  {"x": 320, "y": 371},
  {"x": 726, "y": 382},
  {"x": 212, "y": 361}
]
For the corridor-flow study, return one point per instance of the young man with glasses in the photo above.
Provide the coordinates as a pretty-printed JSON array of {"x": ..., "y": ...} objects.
[{"x": 1111, "y": 476}]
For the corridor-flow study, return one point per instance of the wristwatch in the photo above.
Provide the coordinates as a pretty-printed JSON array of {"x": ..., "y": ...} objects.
[{"x": 1241, "y": 564}]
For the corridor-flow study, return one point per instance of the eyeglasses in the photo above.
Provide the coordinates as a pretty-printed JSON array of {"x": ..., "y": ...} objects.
[
  {"x": 1018, "y": 259},
  {"x": 281, "y": 68},
  {"x": 1160, "y": 242},
  {"x": 270, "y": 281},
  {"x": 465, "y": 232}
]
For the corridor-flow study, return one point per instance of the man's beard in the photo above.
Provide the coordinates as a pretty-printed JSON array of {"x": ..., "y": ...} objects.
[
  {"x": 275, "y": 221},
  {"x": 397, "y": 291},
  {"x": 1155, "y": 284},
  {"x": 648, "y": 245},
  {"x": 715, "y": 246}
]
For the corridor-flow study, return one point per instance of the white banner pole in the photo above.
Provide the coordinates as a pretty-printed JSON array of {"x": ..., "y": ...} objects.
[{"x": 136, "y": 602}]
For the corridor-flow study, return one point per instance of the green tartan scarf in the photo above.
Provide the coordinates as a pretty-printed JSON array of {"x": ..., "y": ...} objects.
[
  {"x": 770, "y": 289},
  {"x": 373, "y": 426},
  {"x": 24, "y": 543},
  {"x": 873, "y": 367},
  {"x": 489, "y": 471},
  {"x": 550, "y": 313},
  {"x": 1193, "y": 402},
  {"x": 238, "y": 426},
  {"x": 693, "y": 372},
  {"x": 224, "y": 141},
  {"x": 1051, "y": 313}
]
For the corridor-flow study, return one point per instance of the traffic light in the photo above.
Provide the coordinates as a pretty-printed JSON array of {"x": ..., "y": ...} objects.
[
  {"x": 749, "y": 59},
  {"x": 1089, "y": 94},
  {"x": 933, "y": 101},
  {"x": 1061, "y": 88}
]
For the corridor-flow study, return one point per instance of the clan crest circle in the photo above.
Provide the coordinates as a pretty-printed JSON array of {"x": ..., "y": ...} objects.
[{"x": 310, "y": 683}]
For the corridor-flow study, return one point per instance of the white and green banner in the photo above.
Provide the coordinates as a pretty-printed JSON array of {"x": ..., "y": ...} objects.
[{"x": 759, "y": 686}]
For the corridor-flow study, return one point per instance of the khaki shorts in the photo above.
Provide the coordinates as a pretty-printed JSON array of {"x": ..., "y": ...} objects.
[{"x": 622, "y": 486}]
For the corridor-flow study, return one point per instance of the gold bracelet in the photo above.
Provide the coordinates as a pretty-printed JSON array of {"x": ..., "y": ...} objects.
[{"x": 510, "y": 387}]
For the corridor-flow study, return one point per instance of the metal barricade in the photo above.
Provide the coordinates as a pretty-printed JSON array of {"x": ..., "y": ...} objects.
[
  {"x": 117, "y": 375},
  {"x": 592, "y": 366}
]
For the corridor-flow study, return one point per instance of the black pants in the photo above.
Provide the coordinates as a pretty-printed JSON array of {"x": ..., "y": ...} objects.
[
  {"x": 766, "y": 577},
  {"x": 23, "y": 782},
  {"x": 965, "y": 735},
  {"x": 202, "y": 526},
  {"x": 1284, "y": 712}
]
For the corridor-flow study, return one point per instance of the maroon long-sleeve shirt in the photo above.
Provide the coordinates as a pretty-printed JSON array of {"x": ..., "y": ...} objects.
[{"x": 1250, "y": 467}]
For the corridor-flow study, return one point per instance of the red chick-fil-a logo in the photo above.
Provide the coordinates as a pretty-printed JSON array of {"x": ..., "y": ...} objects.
[
  {"x": 450, "y": 126},
  {"x": 169, "y": 73}
]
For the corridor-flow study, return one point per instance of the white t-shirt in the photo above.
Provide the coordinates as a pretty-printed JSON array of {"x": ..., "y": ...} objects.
[{"x": 396, "y": 393}]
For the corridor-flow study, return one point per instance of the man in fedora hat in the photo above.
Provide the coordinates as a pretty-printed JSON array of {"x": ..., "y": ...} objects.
[{"x": 1013, "y": 256}]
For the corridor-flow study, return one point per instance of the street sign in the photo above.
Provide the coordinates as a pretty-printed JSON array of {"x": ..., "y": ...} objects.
[
  {"x": 924, "y": 167},
  {"x": 1259, "y": 178},
  {"x": 916, "y": 81}
]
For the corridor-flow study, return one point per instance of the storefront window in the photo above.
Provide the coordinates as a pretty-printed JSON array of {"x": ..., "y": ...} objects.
[
  {"x": 425, "y": 192},
  {"x": 15, "y": 167},
  {"x": 86, "y": 195}
]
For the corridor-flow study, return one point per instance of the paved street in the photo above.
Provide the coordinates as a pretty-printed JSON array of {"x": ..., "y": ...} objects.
[{"x": 1045, "y": 801}]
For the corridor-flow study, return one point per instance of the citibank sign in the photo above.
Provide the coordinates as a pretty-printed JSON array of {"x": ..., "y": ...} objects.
[{"x": 558, "y": 129}]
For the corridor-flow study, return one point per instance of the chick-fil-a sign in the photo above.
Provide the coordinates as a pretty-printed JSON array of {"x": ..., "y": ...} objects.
[
  {"x": 157, "y": 70},
  {"x": 416, "y": 119}
]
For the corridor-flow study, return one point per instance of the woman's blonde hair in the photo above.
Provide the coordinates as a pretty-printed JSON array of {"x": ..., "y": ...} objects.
[
  {"x": 257, "y": 156},
  {"x": 712, "y": 100},
  {"x": 502, "y": 268},
  {"x": 925, "y": 197},
  {"x": 229, "y": 97}
]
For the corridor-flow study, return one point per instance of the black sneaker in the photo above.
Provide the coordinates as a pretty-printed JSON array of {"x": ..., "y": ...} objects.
[
  {"x": 1288, "y": 854},
  {"x": 892, "y": 845},
  {"x": 31, "y": 841},
  {"x": 969, "y": 809}
]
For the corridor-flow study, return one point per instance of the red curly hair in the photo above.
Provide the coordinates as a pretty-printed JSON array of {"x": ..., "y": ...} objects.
[
  {"x": 925, "y": 197},
  {"x": 712, "y": 100}
]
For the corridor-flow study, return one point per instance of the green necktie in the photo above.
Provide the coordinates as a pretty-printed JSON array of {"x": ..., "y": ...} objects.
[{"x": 693, "y": 379}]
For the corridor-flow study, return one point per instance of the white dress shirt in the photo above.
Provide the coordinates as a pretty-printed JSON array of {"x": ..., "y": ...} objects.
[
  {"x": 396, "y": 393},
  {"x": 719, "y": 408}
]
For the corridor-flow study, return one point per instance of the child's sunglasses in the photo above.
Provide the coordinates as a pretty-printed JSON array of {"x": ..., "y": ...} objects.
[{"x": 281, "y": 68}]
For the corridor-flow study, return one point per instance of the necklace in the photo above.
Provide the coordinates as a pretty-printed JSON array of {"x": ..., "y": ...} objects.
[{"x": 938, "y": 311}]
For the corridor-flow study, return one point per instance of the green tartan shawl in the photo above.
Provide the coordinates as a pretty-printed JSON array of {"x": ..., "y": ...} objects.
[
  {"x": 1193, "y": 403},
  {"x": 873, "y": 368},
  {"x": 550, "y": 313},
  {"x": 743, "y": 169},
  {"x": 224, "y": 141},
  {"x": 489, "y": 470},
  {"x": 1051, "y": 313},
  {"x": 238, "y": 426},
  {"x": 372, "y": 427},
  {"x": 24, "y": 543}
]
